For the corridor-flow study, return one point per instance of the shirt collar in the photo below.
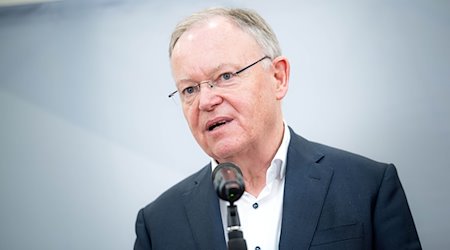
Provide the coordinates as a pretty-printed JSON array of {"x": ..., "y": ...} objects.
[{"x": 277, "y": 168}]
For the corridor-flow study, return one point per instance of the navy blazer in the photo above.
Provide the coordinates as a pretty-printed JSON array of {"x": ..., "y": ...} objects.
[{"x": 332, "y": 200}]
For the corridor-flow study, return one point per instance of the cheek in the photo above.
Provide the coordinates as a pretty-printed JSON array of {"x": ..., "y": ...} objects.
[
  {"x": 190, "y": 116},
  {"x": 261, "y": 104},
  {"x": 246, "y": 103},
  {"x": 193, "y": 120}
]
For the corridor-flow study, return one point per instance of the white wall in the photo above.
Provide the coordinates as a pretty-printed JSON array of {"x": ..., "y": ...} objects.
[{"x": 88, "y": 135}]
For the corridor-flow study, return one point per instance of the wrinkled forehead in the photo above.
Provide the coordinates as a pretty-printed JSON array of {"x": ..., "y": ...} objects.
[
  {"x": 204, "y": 29},
  {"x": 210, "y": 44}
]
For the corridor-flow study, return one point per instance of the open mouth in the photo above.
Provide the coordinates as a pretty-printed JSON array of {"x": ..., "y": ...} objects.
[{"x": 217, "y": 124}]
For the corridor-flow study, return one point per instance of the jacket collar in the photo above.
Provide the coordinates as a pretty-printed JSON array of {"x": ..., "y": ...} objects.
[
  {"x": 305, "y": 190},
  {"x": 203, "y": 212}
]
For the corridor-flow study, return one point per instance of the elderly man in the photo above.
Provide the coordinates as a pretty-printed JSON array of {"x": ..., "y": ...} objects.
[{"x": 231, "y": 79}]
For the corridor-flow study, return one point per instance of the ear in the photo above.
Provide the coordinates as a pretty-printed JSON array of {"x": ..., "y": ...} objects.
[{"x": 281, "y": 68}]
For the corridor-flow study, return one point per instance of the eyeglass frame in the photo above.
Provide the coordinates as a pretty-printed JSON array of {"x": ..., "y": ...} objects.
[{"x": 211, "y": 83}]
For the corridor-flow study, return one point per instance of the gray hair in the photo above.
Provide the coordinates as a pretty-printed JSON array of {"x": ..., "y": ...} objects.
[{"x": 249, "y": 21}]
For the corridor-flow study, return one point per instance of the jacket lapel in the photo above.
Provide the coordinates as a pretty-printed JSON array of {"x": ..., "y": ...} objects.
[
  {"x": 306, "y": 186},
  {"x": 203, "y": 212}
]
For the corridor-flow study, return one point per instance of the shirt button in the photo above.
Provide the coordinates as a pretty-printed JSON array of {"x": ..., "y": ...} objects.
[
  {"x": 255, "y": 206},
  {"x": 257, "y": 248}
]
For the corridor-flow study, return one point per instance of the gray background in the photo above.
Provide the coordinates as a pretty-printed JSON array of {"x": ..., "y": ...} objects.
[{"x": 88, "y": 135}]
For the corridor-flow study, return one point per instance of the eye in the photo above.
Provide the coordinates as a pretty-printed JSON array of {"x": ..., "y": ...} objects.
[
  {"x": 189, "y": 90},
  {"x": 226, "y": 76}
]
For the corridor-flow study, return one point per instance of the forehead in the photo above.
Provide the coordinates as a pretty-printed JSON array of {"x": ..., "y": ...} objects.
[{"x": 211, "y": 43}]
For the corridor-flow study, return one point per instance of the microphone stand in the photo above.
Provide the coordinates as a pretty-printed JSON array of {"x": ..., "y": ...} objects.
[{"x": 236, "y": 239}]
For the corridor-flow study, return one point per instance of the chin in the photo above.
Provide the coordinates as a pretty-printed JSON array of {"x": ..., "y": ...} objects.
[{"x": 224, "y": 152}]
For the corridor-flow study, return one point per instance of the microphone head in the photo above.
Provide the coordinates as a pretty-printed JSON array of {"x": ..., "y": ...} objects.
[{"x": 228, "y": 182}]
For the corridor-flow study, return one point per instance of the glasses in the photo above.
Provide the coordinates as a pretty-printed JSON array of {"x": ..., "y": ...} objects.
[{"x": 224, "y": 80}]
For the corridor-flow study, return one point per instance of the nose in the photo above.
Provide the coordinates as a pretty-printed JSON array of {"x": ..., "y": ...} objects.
[{"x": 208, "y": 97}]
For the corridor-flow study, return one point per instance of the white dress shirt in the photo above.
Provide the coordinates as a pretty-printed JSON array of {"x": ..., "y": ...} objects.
[{"x": 261, "y": 216}]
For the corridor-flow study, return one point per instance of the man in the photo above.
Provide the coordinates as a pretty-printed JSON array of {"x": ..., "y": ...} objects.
[{"x": 231, "y": 78}]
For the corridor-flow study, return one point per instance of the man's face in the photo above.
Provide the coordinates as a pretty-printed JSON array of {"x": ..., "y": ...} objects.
[{"x": 228, "y": 122}]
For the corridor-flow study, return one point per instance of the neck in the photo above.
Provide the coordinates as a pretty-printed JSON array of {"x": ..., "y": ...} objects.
[{"x": 254, "y": 162}]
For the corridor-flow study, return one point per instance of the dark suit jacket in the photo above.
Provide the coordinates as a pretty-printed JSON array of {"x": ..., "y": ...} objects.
[{"x": 332, "y": 200}]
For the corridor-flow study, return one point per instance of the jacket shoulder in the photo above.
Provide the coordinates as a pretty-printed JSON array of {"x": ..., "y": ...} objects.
[
  {"x": 346, "y": 166},
  {"x": 172, "y": 197},
  {"x": 340, "y": 157}
]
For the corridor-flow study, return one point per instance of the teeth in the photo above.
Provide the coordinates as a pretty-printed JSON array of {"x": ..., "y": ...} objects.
[{"x": 215, "y": 125}]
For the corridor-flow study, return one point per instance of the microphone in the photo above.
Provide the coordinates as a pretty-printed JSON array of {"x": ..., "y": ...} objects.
[
  {"x": 228, "y": 182},
  {"x": 229, "y": 185}
]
